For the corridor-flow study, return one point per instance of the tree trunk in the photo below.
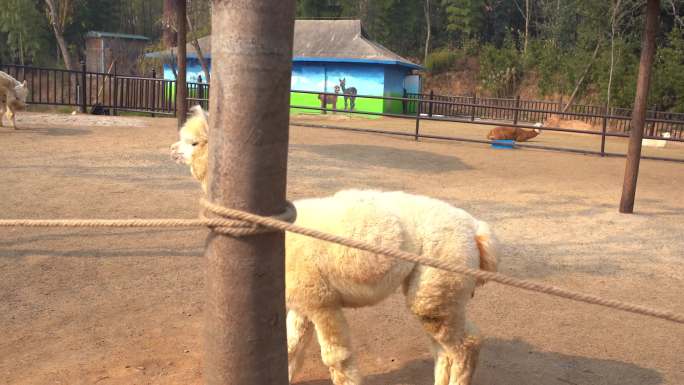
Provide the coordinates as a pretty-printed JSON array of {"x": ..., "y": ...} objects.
[
  {"x": 198, "y": 50},
  {"x": 182, "y": 57},
  {"x": 527, "y": 24},
  {"x": 21, "y": 49},
  {"x": 169, "y": 24},
  {"x": 427, "y": 37},
  {"x": 616, "y": 7},
  {"x": 639, "y": 112},
  {"x": 244, "y": 308},
  {"x": 575, "y": 92},
  {"x": 59, "y": 35}
]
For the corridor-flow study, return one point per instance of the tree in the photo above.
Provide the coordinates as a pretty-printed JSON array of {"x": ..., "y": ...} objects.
[
  {"x": 465, "y": 18},
  {"x": 168, "y": 23},
  {"x": 427, "y": 29},
  {"x": 613, "y": 21},
  {"x": 526, "y": 15},
  {"x": 59, "y": 13},
  {"x": 22, "y": 30}
]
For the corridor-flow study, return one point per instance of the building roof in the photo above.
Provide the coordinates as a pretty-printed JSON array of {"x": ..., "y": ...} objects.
[
  {"x": 99, "y": 34},
  {"x": 324, "y": 40}
]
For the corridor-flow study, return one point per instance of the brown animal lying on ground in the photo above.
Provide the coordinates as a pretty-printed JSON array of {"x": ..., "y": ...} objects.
[{"x": 514, "y": 133}]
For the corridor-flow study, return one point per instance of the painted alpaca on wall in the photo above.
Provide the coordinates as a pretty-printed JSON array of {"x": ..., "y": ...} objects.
[
  {"x": 349, "y": 94},
  {"x": 329, "y": 99}
]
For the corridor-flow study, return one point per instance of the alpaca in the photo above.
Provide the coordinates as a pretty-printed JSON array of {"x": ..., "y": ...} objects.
[
  {"x": 13, "y": 96},
  {"x": 349, "y": 94},
  {"x": 194, "y": 137},
  {"x": 323, "y": 278},
  {"x": 329, "y": 99},
  {"x": 514, "y": 133}
]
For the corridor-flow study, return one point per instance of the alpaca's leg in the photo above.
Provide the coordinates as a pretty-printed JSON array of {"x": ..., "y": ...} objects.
[
  {"x": 2, "y": 112},
  {"x": 11, "y": 116},
  {"x": 332, "y": 331},
  {"x": 442, "y": 364},
  {"x": 299, "y": 333},
  {"x": 439, "y": 303}
]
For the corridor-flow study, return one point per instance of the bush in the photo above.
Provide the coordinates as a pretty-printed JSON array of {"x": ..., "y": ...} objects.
[
  {"x": 442, "y": 60},
  {"x": 501, "y": 68}
]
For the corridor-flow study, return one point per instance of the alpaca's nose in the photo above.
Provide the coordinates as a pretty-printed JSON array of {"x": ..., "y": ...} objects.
[{"x": 174, "y": 151}]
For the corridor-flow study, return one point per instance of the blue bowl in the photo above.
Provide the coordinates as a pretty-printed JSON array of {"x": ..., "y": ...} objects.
[{"x": 506, "y": 144}]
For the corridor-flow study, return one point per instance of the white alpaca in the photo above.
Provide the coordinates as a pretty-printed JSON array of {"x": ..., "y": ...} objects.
[
  {"x": 13, "y": 96},
  {"x": 323, "y": 278}
]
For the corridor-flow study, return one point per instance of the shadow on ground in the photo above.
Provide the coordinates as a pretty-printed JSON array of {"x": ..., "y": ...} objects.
[
  {"x": 53, "y": 131},
  {"x": 355, "y": 155},
  {"x": 514, "y": 362}
]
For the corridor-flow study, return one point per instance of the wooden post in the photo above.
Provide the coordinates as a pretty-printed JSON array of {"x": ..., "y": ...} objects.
[
  {"x": 245, "y": 340},
  {"x": 648, "y": 49},
  {"x": 181, "y": 84},
  {"x": 432, "y": 96}
]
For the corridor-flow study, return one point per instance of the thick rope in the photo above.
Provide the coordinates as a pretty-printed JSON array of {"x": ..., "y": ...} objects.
[
  {"x": 240, "y": 223},
  {"x": 238, "y": 228},
  {"x": 445, "y": 265}
]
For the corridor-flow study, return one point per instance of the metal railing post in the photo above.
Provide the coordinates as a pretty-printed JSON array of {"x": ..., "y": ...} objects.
[
  {"x": 516, "y": 110},
  {"x": 604, "y": 127},
  {"x": 83, "y": 91},
  {"x": 153, "y": 93},
  {"x": 417, "y": 135},
  {"x": 472, "y": 107}
]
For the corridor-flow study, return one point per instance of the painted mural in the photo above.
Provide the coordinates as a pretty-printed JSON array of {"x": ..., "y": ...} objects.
[
  {"x": 365, "y": 79},
  {"x": 194, "y": 70},
  {"x": 352, "y": 81}
]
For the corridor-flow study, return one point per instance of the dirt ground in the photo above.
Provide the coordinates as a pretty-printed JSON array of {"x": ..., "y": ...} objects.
[{"x": 123, "y": 307}]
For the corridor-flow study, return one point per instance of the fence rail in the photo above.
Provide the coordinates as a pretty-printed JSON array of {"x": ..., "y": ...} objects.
[
  {"x": 109, "y": 91},
  {"x": 113, "y": 92},
  {"x": 516, "y": 110}
]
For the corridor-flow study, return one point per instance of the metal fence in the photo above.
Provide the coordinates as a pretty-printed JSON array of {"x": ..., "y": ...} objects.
[
  {"x": 522, "y": 110},
  {"x": 113, "y": 92},
  {"x": 110, "y": 91}
]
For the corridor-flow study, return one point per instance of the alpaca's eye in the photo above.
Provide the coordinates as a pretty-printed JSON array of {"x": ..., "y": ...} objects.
[{"x": 195, "y": 144}]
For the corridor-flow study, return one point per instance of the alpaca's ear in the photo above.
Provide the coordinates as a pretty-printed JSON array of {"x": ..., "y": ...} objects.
[{"x": 23, "y": 83}]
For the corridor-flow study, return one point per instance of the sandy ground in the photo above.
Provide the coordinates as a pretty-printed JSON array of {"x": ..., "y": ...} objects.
[{"x": 124, "y": 307}]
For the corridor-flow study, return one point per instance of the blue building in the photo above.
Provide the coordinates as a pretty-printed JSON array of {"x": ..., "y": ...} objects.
[{"x": 326, "y": 52}]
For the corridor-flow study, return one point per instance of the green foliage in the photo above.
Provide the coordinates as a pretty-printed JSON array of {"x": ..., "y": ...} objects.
[
  {"x": 464, "y": 18},
  {"x": 442, "y": 60},
  {"x": 561, "y": 40},
  {"x": 667, "y": 91},
  {"x": 501, "y": 68},
  {"x": 23, "y": 32}
]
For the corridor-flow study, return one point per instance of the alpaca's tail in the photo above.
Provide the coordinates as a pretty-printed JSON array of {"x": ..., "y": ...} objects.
[{"x": 486, "y": 245}]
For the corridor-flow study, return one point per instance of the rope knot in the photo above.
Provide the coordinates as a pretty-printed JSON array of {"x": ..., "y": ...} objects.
[{"x": 236, "y": 224}]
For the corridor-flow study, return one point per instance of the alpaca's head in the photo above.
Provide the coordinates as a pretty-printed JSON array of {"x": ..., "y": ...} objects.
[
  {"x": 21, "y": 92},
  {"x": 192, "y": 147}
]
